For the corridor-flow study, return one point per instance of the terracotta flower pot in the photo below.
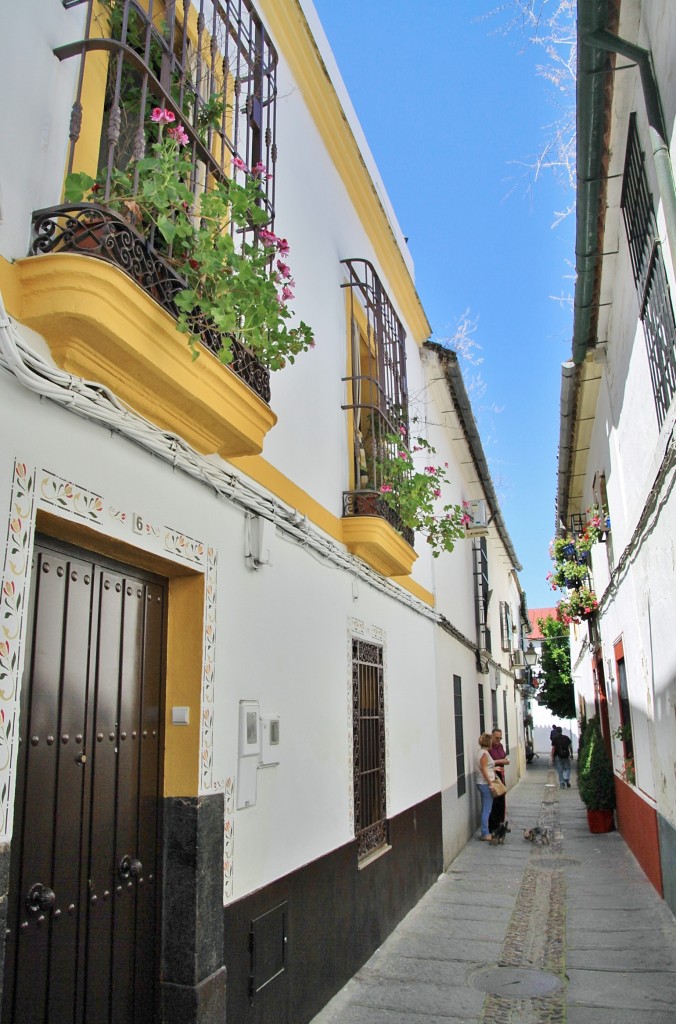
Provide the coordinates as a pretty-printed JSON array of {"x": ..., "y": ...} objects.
[{"x": 600, "y": 821}]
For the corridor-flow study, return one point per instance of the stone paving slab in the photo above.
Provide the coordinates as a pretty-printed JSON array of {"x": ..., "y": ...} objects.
[
  {"x": 412, "y": 997},
  {"x": 638, "y": 990},
  {"x": 579, "y": 908},
  {"x": 597, "y": 1015},
  {"x": 644, "y": 941},
  {"x": 450, "y": 973},
  {"x": 627, "y": 958}
]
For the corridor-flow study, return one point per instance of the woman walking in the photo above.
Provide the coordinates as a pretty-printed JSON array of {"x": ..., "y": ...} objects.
[{"x": 485, "y": 780}]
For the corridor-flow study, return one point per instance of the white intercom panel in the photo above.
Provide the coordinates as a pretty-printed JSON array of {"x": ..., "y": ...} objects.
[
  {"x": 249, "y": 752},
  {"x": 270, "y": 740}
]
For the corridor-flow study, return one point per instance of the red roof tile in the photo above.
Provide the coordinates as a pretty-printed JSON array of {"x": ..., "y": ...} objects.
[{"x": 538, "y": 613}]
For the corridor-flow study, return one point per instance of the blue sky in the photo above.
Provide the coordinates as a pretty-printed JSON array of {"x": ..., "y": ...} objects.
[{"x": 454, "y": 113}]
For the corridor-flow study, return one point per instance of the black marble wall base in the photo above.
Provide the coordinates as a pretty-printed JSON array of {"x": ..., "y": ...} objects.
[
  {"x": 192, "y": 973},
  {"x": 204, "y": 1002},
  {"x": 4, "y": 890},
  {"x": 337, "y": 915}
]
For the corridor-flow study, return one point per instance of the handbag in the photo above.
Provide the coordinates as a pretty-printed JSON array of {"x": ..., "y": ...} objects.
[{"x": 499, "y": 788}]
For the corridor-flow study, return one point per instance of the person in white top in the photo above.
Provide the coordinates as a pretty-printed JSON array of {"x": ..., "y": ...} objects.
[{"x": 485, "y": 780}]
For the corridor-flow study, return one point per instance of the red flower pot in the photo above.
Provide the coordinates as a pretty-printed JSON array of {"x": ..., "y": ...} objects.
[{"x": 601, "y": 821}]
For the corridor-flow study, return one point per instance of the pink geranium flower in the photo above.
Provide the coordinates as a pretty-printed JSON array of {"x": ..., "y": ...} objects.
[
  {"x": 385, "y": 489},
  {"x": 283, "y": 268},
  {"x": 283, "y": 246},
  {"x": 239, "y": 164},
  {"x": 259, "y": 170},
  {"x": 162, "y": 116},
  {"x": 267, "y": 237},
  {"x": 436, "y": 492},
  {"x": 179, "y": 134},
  {"x": 287, "y": 293}
]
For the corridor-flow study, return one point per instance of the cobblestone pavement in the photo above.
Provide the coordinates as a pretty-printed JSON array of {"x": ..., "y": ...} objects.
[{"x": 561, "y": 930}]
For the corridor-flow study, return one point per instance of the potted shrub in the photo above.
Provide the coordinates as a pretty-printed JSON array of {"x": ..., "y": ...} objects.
[{"x": 596, "y": 782}]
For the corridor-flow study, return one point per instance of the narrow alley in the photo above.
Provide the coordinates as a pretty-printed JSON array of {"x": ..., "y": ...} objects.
[{"x": 564, "y": 928}]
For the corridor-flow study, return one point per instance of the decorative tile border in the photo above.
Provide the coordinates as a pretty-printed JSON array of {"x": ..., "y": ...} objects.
[
  {"x": 68, "y": 497},
  {"x": 228, "y": 838},
  {"x": 13, "y": 597},
  {"x": 185, "y": 547},
  {"x": 207, "y": 784},
  {"x": 73, "y": 501}
]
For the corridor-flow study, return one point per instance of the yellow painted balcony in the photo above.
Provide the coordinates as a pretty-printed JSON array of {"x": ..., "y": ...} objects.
[
  {"x": 370, "y": 533},
  {"x": 108, "y": 324}
]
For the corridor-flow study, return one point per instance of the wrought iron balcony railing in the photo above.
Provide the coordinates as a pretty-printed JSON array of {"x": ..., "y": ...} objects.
[{"x": 93, "y": 230}]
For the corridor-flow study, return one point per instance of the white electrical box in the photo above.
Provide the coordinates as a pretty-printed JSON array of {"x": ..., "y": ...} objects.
[
  {"x": 270, "y": 740},
  {"x": 249, "y": 753}
]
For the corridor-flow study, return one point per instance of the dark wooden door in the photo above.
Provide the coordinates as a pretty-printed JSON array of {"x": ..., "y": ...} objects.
[{"x": 82, "y": 920}]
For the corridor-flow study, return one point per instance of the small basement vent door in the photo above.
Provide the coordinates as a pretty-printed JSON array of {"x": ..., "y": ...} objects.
[{"x": 81, "y": 944}]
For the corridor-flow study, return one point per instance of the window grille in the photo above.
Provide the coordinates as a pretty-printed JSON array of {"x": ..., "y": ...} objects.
[
  {"x": 377, "y": 389},
  {"x": 368, "y": 744},
  {"x": 506, "y": 721},
  {"x": 210, "y": 62},
  {"x": 650, "y": 277},
  {"x": 494, "y": 709},
  {"x": 459, "y": 736},
  {"x": 481, "y": 592},
  {"x": 505, "y": 626}
]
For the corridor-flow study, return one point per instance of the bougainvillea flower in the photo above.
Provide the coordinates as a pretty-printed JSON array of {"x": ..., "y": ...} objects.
[{"x": 162, "y": 116}]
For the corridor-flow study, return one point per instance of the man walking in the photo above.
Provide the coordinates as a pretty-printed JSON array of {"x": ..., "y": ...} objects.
[{"x": 562, "y": 756}]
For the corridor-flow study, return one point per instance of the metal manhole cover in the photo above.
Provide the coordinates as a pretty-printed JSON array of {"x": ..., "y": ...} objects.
[{"x": 517, "y": 982}]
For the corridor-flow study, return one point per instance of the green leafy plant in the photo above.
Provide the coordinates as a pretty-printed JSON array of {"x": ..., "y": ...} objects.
[
  {"x": 416, "y": 495},
  {"x": 568, "y": 574},
  {"x": 557, "y": 692},
  {"x": 578, "y": 605},
  {"x": 237, "y": 281},
  {"x": 623, "y": 732},
  {"x": 596, "y": 782}
]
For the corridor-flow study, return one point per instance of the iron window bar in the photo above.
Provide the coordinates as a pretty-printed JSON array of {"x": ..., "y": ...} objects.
[
  {"x": 377, "y": 391},
  {"x": 209, "y": 62},
  {"x": 368, "y": 746},
  {"x": 650, "y": 277}
]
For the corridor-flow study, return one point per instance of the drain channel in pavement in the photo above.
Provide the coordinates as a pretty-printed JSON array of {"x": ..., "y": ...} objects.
[{"x": 527, "y": 985}]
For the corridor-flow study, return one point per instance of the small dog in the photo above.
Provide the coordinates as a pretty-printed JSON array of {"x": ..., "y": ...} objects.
[
  {"x": 537, "y": 835},
  {"x": 498, "y": 836}
]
